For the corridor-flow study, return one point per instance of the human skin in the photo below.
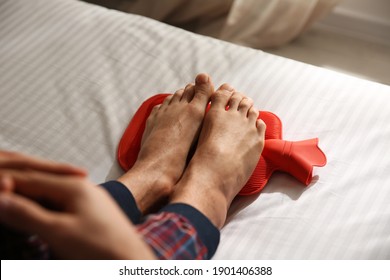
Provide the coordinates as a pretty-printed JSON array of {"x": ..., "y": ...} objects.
[
  {"x": 171, "y": 131},
  {"x": 229, "y": 140},
  {"x": 228, "y": 149},
  {"x": 78, "y": 221}
]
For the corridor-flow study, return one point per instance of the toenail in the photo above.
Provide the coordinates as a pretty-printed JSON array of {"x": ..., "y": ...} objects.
[
  {"x": 228, "y": 87},
  {"x": 202, "y": 79}
]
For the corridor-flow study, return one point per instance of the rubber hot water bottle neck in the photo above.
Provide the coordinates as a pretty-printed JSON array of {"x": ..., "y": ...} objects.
[{"x": 296, "y": 158}]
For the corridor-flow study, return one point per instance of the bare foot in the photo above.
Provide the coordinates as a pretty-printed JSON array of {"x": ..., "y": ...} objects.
[
  {"x": 228, "y": 150},
  {"x": 171, "y": 129}
]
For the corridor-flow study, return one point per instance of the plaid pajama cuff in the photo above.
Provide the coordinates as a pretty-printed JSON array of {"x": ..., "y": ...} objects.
[
  {"x": 125, "y": 199},
  {"x": 180, "y": 231}
]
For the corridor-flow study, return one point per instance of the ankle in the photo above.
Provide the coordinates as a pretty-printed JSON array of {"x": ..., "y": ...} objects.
[
  {"x": 201, "y": 189},
  {"x": 148, "y": 187},
  {"x": 210, "y": 175},
  {"x": 160, "y": 168}
]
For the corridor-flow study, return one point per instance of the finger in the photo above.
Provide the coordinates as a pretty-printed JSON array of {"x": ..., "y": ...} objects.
[
  {"x": 51, "y": 188},
  {"x": 20, "y": 161},
  {"x": 6, "y": 184},
  {"x": 25, "y": 215}
]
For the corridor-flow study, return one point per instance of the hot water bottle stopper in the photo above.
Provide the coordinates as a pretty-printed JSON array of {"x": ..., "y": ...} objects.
[{"x": 294, "y": 157}]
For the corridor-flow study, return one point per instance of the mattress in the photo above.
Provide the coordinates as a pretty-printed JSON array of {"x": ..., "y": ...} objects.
[{"x": 73, "y": 74}]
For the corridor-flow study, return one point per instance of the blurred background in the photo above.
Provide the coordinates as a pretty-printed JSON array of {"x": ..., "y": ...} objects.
[{"x": 350, "y": 36}]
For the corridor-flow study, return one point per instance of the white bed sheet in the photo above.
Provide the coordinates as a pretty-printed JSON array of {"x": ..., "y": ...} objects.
[{"x": 73, "y": 74}]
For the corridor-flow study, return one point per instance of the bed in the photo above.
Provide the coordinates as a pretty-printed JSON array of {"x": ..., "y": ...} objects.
[{"x": 72, "y": 75}]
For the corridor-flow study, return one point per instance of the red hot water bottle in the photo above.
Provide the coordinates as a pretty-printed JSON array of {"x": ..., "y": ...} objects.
[{"x": 294, "y": 157}]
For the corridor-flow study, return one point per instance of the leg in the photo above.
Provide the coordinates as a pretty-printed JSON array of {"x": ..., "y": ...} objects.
[
  {"x": 228, "y": 150},
  {"x": 173, "y": 236},
  {"x": 171, "y": 130}
]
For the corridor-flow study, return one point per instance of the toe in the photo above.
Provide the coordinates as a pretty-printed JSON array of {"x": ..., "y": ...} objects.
[
  {"x": 226, "y": 87},
  {"x": 235, "y": 101},
  {"x": 188, "y": 93},
  {"x": 261, "y": 127},
  {"x": 167, "y": 100},
  {"x": 253, "y": 114},
  {"x": 245, "y": 104},
  {"x": 220, "y": 99},
  {"x": 203, "y": 89},
  {"x": 155, "y": 110},
  {"x": 177, "y": 96},
  {"x": 153, "y": 113}
]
